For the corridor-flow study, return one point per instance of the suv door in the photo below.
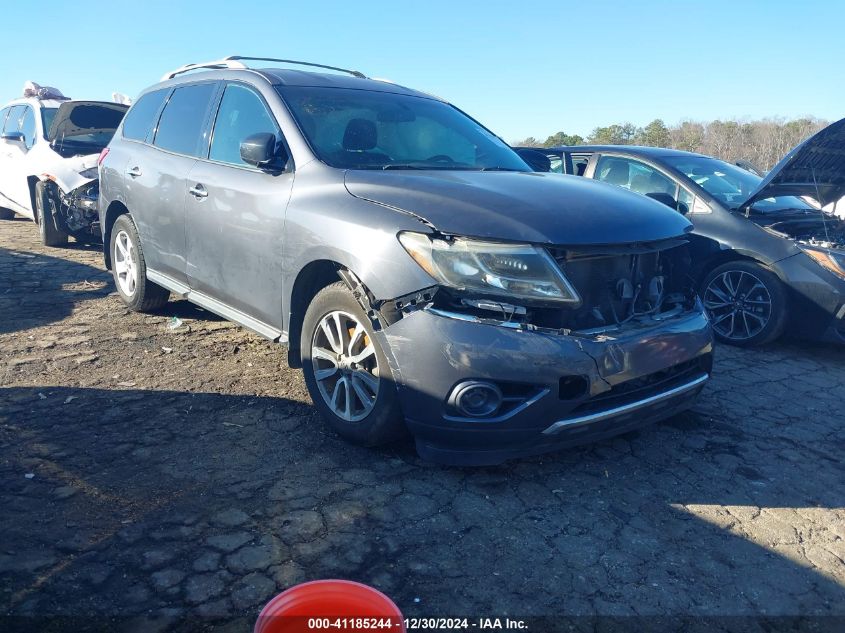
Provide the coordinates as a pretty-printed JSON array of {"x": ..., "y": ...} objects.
[
  {"x": 156, "y": 177},
  {"x": 13, "y": 183},
  {"x": 236, "y": 214}
]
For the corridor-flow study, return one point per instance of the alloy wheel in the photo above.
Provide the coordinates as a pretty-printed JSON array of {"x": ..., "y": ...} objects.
[
  {"x": 124, "y": 263},
  {"x": 739, "y": 304},
  {"x": 345, "y": 366}
]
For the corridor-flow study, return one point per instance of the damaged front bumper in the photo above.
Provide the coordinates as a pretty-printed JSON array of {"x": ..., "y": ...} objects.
[{"x": 558, "y": 388}]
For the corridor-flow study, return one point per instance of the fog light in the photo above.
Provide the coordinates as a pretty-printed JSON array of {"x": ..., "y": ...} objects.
[{"x": 476, "y": 399}]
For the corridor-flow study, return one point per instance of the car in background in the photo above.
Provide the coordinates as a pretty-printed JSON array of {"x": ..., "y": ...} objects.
[
  {"x": 420, "y": 272},
  {"x": 766, "y": 257},
  {"x": 49, "y": 146}
]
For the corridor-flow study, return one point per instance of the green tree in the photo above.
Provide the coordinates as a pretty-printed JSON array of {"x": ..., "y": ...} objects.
[
  {"x": 528, "y": 142},
  {"x": 655, "y": 134},
  {"x": 562, "y": 138},
  {"x": 615, "y": 134}
]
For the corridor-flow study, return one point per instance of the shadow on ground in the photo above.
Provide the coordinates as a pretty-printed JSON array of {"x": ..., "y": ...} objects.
[{"x": 171, "y": 503}]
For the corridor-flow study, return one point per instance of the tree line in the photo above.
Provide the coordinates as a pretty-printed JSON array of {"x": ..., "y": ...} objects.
[{"x": 763, "y": 142}]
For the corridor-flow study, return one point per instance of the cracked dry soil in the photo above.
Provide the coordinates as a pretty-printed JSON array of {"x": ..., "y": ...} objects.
[{"x": 149, "y": 472}]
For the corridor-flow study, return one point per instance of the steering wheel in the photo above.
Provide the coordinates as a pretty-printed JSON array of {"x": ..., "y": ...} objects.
[{"x": 440, "y": 158}]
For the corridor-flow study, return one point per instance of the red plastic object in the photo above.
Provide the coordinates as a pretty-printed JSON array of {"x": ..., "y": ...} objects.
[{"x": 323, "y": 606}]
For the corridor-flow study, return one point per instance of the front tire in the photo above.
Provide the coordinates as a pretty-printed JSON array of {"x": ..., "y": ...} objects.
[
  {"x": 130, "y": 270},
  {"x": 747, "y": 303},
  {"x": 346, "y": 370},
  {"x": 51, "y": 234}
]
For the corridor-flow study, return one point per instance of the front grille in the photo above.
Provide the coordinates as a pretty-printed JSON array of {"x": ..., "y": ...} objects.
[{"x": 642, "y": 387}]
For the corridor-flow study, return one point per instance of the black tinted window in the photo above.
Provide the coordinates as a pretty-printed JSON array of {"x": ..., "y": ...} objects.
[
  {"x": 28, "y": 126},
  {"x": 180, "y": 126},
  {"x": 139, "y": 119},
  {"x": 241, "y": 114}
]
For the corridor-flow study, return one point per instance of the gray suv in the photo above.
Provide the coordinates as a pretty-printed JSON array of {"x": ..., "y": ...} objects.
[{"x": 422, "y": 275}]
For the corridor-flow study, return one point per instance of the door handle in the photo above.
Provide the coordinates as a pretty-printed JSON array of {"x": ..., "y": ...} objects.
[
  {"x": 198, "y": 191},
  {"x": 134, "y": 172}
]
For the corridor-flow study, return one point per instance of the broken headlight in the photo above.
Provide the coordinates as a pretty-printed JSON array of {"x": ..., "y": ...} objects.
[
  {"x": 514, "y": 270},
  {"x": 834, "y": 262}
]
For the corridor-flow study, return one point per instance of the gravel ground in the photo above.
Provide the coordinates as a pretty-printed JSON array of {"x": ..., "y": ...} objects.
[{"x": 149, "y": 472}]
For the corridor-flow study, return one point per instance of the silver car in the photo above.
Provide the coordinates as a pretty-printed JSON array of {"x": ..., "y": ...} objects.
[{"x": 421, "y": 274}]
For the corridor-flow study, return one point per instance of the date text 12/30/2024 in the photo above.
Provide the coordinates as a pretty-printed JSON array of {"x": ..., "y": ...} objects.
[{"x": 416, "y": 624}]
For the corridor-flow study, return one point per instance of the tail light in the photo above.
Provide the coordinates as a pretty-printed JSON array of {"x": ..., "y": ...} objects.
[{"x": 102, "y": 157}]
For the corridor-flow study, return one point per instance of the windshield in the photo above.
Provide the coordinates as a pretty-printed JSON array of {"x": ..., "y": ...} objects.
[
  {"x": 47, "y": 116},
  {"x": 360, "y": 129},
  {"x": 731, "y": 185}
]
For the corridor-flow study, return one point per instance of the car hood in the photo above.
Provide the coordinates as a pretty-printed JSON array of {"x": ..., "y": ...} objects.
[
  {"x": 75, "y": 118},
  {"x": 815, "y": 168},
  {"x": 521, "y": 206}
]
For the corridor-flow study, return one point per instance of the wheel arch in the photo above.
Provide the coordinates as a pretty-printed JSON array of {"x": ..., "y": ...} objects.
[
  {"x": 114, "y": 211},
  {"x": 724, "y": 257},
  {"x": 31, "y": 181},
  {"x": 313, "y": 277}
]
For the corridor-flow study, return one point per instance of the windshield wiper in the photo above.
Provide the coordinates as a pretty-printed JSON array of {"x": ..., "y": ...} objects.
[
  {"x": 499, "y": 169},
  {"x": 426, "y": 166},
  {"x": 404, "y": 166}
]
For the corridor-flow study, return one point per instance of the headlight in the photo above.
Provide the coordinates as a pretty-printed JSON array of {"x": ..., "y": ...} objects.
[
  {"x": 91, "y": 172},
  {"x": 514, "y": 270},
  {"x": 834, "y": 262}
]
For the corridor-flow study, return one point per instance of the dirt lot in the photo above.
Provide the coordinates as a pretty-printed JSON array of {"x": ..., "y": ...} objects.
[{"x": 148, "y": 472}]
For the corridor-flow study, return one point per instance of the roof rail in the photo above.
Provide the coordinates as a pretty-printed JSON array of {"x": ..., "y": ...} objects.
[{"x": 236, "y": 62}]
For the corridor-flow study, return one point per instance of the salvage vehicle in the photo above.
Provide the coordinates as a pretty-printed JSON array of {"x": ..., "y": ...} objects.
[
  {"x": 423, "y": 277},
  {"x": 49, "y": 146},
  {"x": 767, "y": 258}
]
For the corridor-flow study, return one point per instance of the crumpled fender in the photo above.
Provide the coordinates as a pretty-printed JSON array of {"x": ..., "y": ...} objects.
[{"x": 65, "y": 171}]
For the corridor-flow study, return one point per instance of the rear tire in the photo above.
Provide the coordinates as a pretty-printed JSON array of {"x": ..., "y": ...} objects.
[
  {"x": 51, "y": 234},
  {"x": 747, "y": 303},
  {"x": 346, "y": 371},
  {"x": 130, "y": 270}
]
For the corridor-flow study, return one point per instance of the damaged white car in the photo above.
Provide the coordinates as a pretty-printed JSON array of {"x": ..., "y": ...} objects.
[{"x": 49, "y": 147}]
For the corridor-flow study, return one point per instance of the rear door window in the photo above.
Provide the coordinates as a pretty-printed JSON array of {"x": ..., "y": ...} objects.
[
  {"x": 182, "y": 123},
  {"x": 579, "y": 163},
  {"x": 3, "y": 114},
  {"x": 140, "y": 119},
  {"x": 242, "y": 113}
]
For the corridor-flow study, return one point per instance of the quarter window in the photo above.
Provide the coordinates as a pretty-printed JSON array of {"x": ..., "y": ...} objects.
[
  {"x": 685, "y": 200},
  {"x": 180, "y": 128},
  {"x": 139, "y": 120},
  {"x": 242, "y": 113}
]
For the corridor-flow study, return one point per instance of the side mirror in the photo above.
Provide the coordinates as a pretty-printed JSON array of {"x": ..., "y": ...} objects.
[
  {"x": 13, "y": 137},
  {"x": 663, "y": 197},
  {"x": 259, "y": 150},
  {"x": 536, "y": 159}
]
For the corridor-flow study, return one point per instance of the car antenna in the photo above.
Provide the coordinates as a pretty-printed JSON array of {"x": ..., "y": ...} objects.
[{"x": 821, "y": 209}]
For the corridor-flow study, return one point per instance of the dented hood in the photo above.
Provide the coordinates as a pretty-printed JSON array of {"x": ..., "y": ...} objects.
[
  {"x": 815, "y": 168},
  {"x": 75, "y": 118},
  {"x": 521, "y": 206}
]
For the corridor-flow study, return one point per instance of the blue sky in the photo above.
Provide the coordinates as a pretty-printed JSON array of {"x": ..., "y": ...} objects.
[{"x": 522, "y": 68}]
